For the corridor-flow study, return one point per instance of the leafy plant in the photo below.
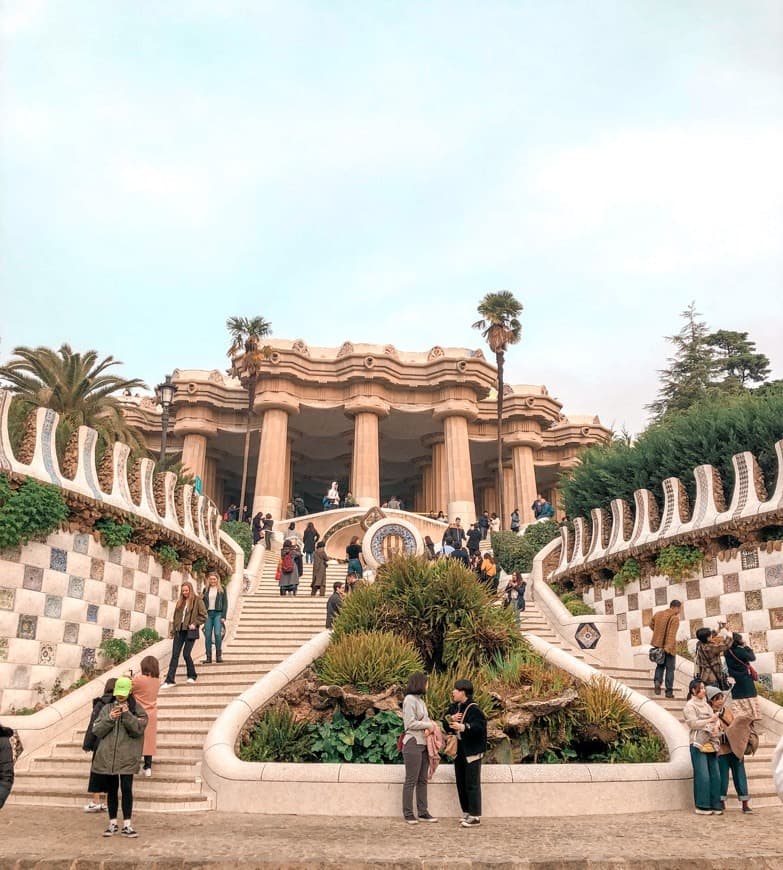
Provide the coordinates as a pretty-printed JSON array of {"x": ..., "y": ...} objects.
[
  {"x": 113, "y": 534},
  {"x": 143, "y": 638},
  {"x": 166, "y": 555},
  {"x": 369, "y": 661},
  {"x": 481, "y": 637},
  {"x": 242, "y": 534},
  {"x": 603, "y": 713},
  {"x": 115, "y": 649},
  {"x": 682, "y": 650},
  {"x": 630, "y": 570},
  {"x": 642, "y": 749},
  {"x": 199, "y": 567},
  {"x": 277, "y": 736},
  {"x": 29, "y": 510},
  {"x": 575, "y": 605},
  {"x": 516, "y": 552},
  {"x": 678, "y": 561}
]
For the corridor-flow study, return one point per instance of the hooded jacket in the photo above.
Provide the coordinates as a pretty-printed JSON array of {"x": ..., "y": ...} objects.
[{"x": 121, "y": 739}]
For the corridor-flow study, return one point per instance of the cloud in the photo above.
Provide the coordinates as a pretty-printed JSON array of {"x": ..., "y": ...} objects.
[{"x": 21, "y": 17}]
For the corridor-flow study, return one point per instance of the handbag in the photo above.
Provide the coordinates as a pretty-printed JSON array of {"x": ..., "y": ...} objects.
[
  {"x": 400, "y": 741},
  {"x": 750, "y": 670},
  {"x": 450, "y": 746},
  {"x": 657, "y": 655},
  {"x": 192, "y": 634}
]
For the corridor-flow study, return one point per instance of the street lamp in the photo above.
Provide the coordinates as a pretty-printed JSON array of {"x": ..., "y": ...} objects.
[{"x": 164, "y": 393}]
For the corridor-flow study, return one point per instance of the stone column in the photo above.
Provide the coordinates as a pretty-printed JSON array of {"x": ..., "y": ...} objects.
[
  {"x": 522, "y": 445},
  {"x": 427, "y": 500},
  {"x": 194, "y": 454},
  {"x": 510, "y": 492},
  {"x": 210, "y": 476},
  {"x": 273, "y": 455},
  {"x": 455, "y": 414},
  {"x": 439, "y": 478},
  {"x": 365, "y": 465}
]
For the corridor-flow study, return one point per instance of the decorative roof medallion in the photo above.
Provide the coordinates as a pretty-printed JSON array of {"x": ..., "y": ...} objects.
[
  {"x": 373, "y": 515},
  {"x": 300, "y": 347},
  {"x": 436, "y": 353},
  {"x": 346, "y": 348}
]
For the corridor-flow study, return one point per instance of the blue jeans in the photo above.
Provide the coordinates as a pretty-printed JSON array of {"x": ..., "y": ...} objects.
[
  {"x": 213, "y": 625},
  {"x": 666, "y": 670},
  {"x": 730, "y": 762},
  {"x": 706, "y": 779}
]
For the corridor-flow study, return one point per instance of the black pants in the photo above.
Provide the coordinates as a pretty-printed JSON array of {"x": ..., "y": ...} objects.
[
  {"x": 148, "y": 762},
  {"x": 468, "y": 776},
  {"x": 666, "y": 670},
  {"x": 184, "y": 646},
  {"x": 123, "y": 782},
  {"x": 5, "y": 790}
]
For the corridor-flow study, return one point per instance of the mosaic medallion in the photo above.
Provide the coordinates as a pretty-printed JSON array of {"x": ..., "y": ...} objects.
[
  {"x": 7, "y": 598},
  {"x": 110, "y": 595},
  {"x": 587, "y": 635},
  {"x": 749, "y": 559},
  {"x": 774, "y": 575},
  {"x": 46, "y": 654},
  {"x": 27, "y": 627},
  {"x": 389, "y": 538},
  {"x": 731, "y": 583},
  {"x": 71, "y": 632},
  {"x": 76, "y": 587}
]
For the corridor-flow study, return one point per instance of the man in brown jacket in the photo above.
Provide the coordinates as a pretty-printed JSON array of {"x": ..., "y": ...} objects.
[{"x": 664, "y": 625}]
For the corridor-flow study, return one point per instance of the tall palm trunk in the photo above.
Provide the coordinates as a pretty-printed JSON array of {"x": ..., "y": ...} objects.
[
  {"x": 251, "y": 398},
  {"x": 500, "y": 357}
]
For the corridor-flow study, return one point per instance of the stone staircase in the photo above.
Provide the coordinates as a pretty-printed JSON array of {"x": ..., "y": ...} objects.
[
  {"x": 757, "y": 767},
  {"x": 268, "y": 630}
]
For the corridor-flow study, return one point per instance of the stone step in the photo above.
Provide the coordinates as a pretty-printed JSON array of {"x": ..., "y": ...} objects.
[
  {"x": 212, "y": 702},
  {"x": 30, "y": 794},
  {"x": 172, "y": 749},
  {"x": 72, "y": 764},
  {"x": 154, "y": 787},
  {"x": 190, "y": 715}
]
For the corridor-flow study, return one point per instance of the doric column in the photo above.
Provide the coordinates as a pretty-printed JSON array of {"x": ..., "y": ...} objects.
[
  {"x": 423, "y": 463},
  {"x": 426, "y": 485},
  {"x": 510, "y": 491},
  {"x": 365, "y": 465},
  {"x": 194, "y": 454},
  {"x": 438, "y": 479},
  {"x": 270, "y": 494},
  {"x": 455, "y": 414},
  {"x": 522, "y": 444},
  {"x": 210, "y": 475}
]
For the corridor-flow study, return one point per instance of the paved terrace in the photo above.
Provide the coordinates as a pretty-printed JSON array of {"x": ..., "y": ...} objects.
[{"x": 55, "y": 839}]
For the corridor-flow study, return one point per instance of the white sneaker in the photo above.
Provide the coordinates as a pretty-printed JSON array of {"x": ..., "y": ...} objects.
[
  {"x": 92, "y": 807},
  {"x": 147, "y": 771},
  {"x": 191, "y": 680},
  {"x": 167, "y": 685}
]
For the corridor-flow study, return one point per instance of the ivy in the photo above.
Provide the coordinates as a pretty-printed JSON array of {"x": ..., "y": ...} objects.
[
  {"x": 678, "y": 561},
  {"x": 166, "y": 555},
  {"x": 242, "y": 534},
  {"x": 631, "y": 570},
  {"x": 113, "y": 534},
  {"x": 515, "y": 552},
  {"x": 31, "y": 510}
]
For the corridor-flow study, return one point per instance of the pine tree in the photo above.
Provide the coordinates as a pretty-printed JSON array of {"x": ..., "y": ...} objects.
[{"x": 737, "y": 360}]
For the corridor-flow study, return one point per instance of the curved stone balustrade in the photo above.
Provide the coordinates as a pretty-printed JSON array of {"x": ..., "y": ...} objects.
[
  {"x": 136, "y": 491},
  {"x": 644, "y": 528}
]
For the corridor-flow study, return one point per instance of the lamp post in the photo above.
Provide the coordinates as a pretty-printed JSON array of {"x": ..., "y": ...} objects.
[{"x": 164, "y": 393}]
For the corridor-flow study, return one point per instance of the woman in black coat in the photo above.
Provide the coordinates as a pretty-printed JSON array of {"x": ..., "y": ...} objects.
[
  {"x": 6, "y": 764},
  {"x": 466, "y": 718},
  {"x": 744, "y": 695}
]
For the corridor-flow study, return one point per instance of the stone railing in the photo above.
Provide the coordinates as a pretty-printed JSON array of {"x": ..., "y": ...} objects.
[
  {"x": 645, "y": 529},
  {"x": 186, "y": 519}
]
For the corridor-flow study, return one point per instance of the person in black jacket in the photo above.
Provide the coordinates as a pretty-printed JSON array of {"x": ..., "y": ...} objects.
[
  {"x": 6, "y": 764},
  {"x": 743, "y": 693},
  {"x": 90, "y": 743},
  {"x": 466, "y": 718}
]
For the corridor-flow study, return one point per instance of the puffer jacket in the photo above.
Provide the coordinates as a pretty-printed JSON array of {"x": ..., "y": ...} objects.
[{"x": 122, "y": 740}]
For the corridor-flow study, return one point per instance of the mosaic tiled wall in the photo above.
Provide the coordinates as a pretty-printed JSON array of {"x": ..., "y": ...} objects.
[
  {"x": 745, "y": 592},
  {"x": 60, "y": 599}
]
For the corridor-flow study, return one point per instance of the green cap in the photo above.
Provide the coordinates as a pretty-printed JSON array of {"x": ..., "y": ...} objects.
[{"x": 122, "y": 688}]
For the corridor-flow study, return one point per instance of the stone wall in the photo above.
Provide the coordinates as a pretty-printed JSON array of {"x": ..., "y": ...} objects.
[
  {"x": 60, "y": 599},
  {"x": 744, "y": 589}
]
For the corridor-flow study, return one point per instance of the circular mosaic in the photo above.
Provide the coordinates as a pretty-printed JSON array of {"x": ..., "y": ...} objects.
[{"x": 389, "y": 538}]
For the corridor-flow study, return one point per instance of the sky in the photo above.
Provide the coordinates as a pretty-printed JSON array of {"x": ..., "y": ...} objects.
[{"x": 366, "y": 171}]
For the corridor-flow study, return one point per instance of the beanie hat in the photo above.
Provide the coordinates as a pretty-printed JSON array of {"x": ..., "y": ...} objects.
[
  {"x": 713, "y": 692},
  {"x": 122, "y": 688}
]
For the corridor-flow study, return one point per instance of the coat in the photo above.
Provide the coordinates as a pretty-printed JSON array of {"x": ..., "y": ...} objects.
[
  {"x": 708, "y": 664},
  {"x": 664, "y": 625},
  {"x": 319, "y": 568},
  {"x": 737, "y": 657},
  {"x": 6, "y": 763},
  {"x": 145, "y": 691},
  {"x": 122, "y": 740},
  {"x": 473, "y": 740},
  {"x": 221, "y": 601},
  {"x": 193, "y": 612},
  {"x": 333, "y": 604}
]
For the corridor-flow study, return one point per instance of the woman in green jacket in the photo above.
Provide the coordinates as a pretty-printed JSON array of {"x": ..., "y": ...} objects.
[{"x": 120, "y": 728}]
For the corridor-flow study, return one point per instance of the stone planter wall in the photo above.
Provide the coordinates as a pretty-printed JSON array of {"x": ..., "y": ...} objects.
[{"x": 60, "y": 599}]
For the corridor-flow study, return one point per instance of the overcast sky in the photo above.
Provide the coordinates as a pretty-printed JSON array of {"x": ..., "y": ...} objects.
[{"x": 367, "y": 170}]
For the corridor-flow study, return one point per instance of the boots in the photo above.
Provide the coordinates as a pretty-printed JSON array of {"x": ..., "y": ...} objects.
[{"x": 657, "y": 688}]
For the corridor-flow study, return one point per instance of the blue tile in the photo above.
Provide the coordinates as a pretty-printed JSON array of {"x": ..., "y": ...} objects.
[
  {"x": 92, "y": 613},
  {"x": 76, "y": 587},
  {"x": 58, "y": 561}
]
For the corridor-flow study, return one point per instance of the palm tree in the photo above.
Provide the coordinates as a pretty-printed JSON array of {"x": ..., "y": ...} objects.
[
  {"x": 75, "y": 385},
  {"x": 500, "y": 327},
  {"x": 247, "y": 355}
]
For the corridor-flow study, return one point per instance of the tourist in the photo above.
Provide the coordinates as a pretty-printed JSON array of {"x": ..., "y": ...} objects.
[
  {"x": 494, "y": 523},
  {"x": 120, "y": 729},
  {"x": 90, "y": 743},
  {"x": 454, "y": 534},
  {"x": 232, "y": 513},
  {"x": 7, "y": 764},
  {"x": 418, "y": 725},
  {"x": 349, "y": 500},
  {"x": 704, "y": 742},
  {"x": 145, "y": 688},
  {"x": 289, "y": 510},
  {"x": 300, "y": 509},
  {"x": 269, "y": 525},
  {"x": 461, "y": 555},
  {"x": 441, "y": 517},
  {"x": 189, "y": 614},
  {"x": 216, "y": 603},
  {"x": 708, "y": 657},
  {"x": 542, "y": 509},
  {"x": 483, "y": 524},
  {"x": 258, "y": 527},
  {"x": 515, "y": 520},
  {"x": 320, "y": 560},
  {"x": 735, "y": 733},
  {"x": 291, "y": 535},
  {"x": 468, "y": 721},
  {"x": 309, "y": 539},
  {"x": 334, "y": 602},
  {"x": 515, "y": 595},
  {"x": 664, "y": 625},
  {"x": 429, "y": 549},
  {"x": 287, "y": 574},
  {"x": 489, "y": 572},
  {"x": 333, "y": 496},
  {"x": 395, "y": 504},
  {"x": 351, "y": 579},
  {"x": 473, "y": 539},
  {"x": 354, "y": 553},
  {"x": 744, "y": 694}
]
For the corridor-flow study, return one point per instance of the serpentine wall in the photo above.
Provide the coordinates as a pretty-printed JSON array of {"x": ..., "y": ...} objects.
[
  {"x": 60, "y": 598},
  {"x": 739, "y": 582}
]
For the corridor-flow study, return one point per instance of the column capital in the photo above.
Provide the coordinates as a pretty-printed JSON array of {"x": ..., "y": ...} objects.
[
  {"x": 192, "y": 426},
  {"x": 268, "y": 400},
  {"x": 523, "y": 439},
  {"x": 433, "y": 439},
  {"x": 366, "y": 405},
  {"x": 455, "y": 408},
  {"x": 421, "y": 461}
]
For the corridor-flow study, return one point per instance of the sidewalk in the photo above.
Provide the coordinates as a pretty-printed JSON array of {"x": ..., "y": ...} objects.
[{"x": 51, "y": 839}]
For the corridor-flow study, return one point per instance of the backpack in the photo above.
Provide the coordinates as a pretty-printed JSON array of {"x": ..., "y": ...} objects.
[{"x": 287, "y": 566}]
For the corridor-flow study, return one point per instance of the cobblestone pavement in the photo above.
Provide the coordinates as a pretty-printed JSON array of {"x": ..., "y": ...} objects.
[{"x": 54, "y": 839}]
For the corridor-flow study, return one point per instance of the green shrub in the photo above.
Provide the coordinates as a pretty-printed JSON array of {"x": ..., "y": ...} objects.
[
  {"x": 372, "y": 741},
  {"x": 242, "y": 534},
  {"x": 526, "y": 668},
  {"x": 630, "y": 570},
  {"x": 143, "y": 638},
  {"x": 199, "y": 567},
  {"x": 603, "y": 714},
  {"x": 363, "y": 610},
  {"x": 31, "y": 510},
  {"x": 369, "y": 661},
  {"x": 277, "y": 736},
  {"x": 166, "y": 555},
  {"x": 577, "y": 607},
  {"x": 678, "y": 561},
  {"x": 116, "y": 649},
  {"x": 516, "y": 552},
  {"x": 113, "y": 534},
  {"x": 642, "y": 748},
  {"x": 481, "y": 638}
]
